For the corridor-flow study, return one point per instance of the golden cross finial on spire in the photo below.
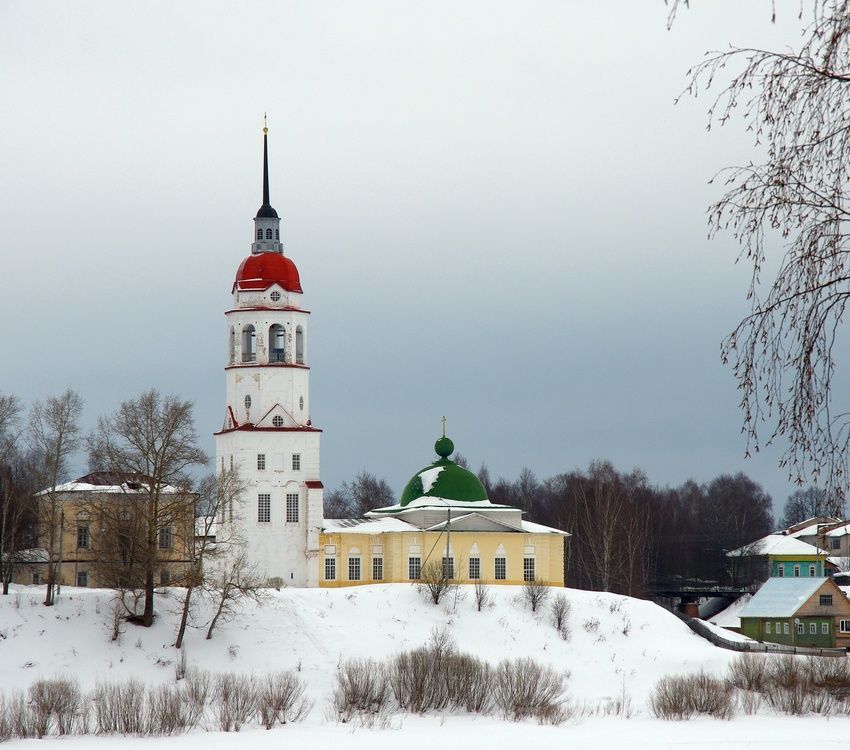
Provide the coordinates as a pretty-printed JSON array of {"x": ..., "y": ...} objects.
[
  {"x": 265, "y": 123},
  {"x": 443, "y": 420}
]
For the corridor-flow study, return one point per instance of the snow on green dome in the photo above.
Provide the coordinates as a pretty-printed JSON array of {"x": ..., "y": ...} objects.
[{"x": 444, "y": 479}]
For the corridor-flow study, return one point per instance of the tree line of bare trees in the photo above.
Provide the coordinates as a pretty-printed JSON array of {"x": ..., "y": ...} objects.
[{"x": 148, "y": 447}]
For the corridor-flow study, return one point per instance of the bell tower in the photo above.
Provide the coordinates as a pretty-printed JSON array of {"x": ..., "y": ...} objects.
[{"x": 267, "y": 431}]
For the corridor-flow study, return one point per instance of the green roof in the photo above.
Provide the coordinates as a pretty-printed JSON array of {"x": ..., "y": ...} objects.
[{"x": 444, "y": 479}]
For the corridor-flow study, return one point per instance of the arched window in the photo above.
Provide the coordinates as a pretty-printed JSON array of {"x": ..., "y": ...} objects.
[
  {"x": 268, "y": 234},
  {"x": 249, "y": 344},
  {"x": 299, "y": 345},
  {"x": 259, "y": 234},
  {"x": 232, "y": 345},
  {"x": 277, "y": 342},
  {"x": 277, "y": 234}
]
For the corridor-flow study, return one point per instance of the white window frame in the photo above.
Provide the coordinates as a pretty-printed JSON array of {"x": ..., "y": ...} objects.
[
  {"x": 264, "y": 508},
  {"x": 801, "y": 628},
  {"x": 82, "y": 575},
  {"x": 786, "y": 628},
  {"x": 296, "y": 462},
  {"x": 767, "y": 628},
  {"x": 414, "y": 567},
  {"x": 796, "y": 571},
  {"x": 83, "y": 531},
  {"x": 330, "y": 568},
  {"x": 824, "y": 628},
  {"x": 844, "y": 626},
  {"x": 500, "y": 568},
  {"x": 261, "y": 462},
  {"x": 780, "y": 571},
  {"x": 528, "y": 569},
  {"x": 812, "y": 571},
  {"x": 165, "y": 538},
  {"x": 355, "y": 569},
  {"x": 813, "y": 628},
  {"x": 292, "y": 504},
  {"x": 377, "y": 568},
  {"x": 474, "y": 568}
]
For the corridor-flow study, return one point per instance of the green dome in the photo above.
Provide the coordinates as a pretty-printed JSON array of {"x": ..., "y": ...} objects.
[{"x": 444, "y": 479}]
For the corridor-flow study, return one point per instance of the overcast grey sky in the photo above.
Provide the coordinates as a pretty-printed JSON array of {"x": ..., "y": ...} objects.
[{"x": 497, "y": 212}]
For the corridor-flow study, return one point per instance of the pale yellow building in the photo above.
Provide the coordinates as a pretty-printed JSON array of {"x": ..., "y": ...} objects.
[{"x": 444, "y": 518}]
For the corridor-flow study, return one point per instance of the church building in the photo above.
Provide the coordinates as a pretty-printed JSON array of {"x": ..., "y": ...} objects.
[{"x": 444, "y": 514}]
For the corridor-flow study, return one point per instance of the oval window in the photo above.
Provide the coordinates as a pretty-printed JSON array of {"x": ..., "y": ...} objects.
[
  {"x": 278, "y": 421},
  {"x": 275, "y": 296},
  {"x": 247, "y": 402},
  {"x": 301, "y": 403}
]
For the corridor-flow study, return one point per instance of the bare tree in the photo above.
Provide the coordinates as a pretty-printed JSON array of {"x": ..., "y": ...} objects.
[
  {"x": 796, "y": 102},
  {"x": 436, "y": 581},
  {"x": 811, "y": 502},
  {"x": 53, "y": 437},
  {"x": 363, "y": 493},
  {"x": 535, "y": 592},
  {"x": 483, "y": 598},
  {"x": 236, "y": 581},
  {"x": 206, "y": 539},
  {"x": 600, "y": 504},
  {"x": 151, "y": 438}
]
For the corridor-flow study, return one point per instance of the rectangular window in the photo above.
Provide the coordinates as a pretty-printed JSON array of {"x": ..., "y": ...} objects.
[
  {"x": 778, "y": 628},
  {"x": 330, "y": 568},
  {"x": 796, "y": 571},
  {"x": 264, "y": 508},
  {"x": 813, "y": 628},
  {"x": 82, "y": 578},
  {"x": 353, "y": 568},
  {"x": 824, "y": 628},
  {"x": 377, "y": 568},
  {"x": 528, "y": 569},
  {"x": 812, "y": 572},
  {"x": 500, "y": 569},
  {"x": 801, "y": 629},
  {"x": 164, "y": 577},
  {"x": 165, "y": 541},
  {"x": 449, "y": 568},
  {"x": 261, "y": 461},
  {"x": 36, "y": 579},
  {"x": 780, "y": 571},
  {"x": 474, "y": 568},
  {"x": 835, "y": 543},
  {"x": 826, "y": 600},
  {"x": 844, "y": 626},
  {"x": 414, "y": 568},
  {"x": 292, "y": 507},
  {"x": 296, "y": 462},
  {"x": 786, "y": 629},
  {"x": 83, "y": 536},
  {"x": 767, "y": 628}
]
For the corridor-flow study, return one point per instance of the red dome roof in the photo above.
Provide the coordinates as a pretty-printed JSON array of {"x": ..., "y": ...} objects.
[{"x": 260, "y": 271}]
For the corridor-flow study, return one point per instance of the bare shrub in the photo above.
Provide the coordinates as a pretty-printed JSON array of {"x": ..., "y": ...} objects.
[
  {"x": 234, "y": 701},
  {"x": 416, "y": 680},
  {"x": 168, "y": 712},
  {"x": 790, "y": 699},
  {"x": 483, "y": 598},
  {"x": 829, "y": 674},
  {"x": 55, "y": 704},
  {"x": 561, "y": 609},
  {"x": 116, "y": 620},
  {"x": 435, "y": 582},
  {"x": 591, "y": 625},
  {"x": 468, "y": 681},
  {"x": 361, "y": 688},
  {"x": 535, "y": 593},
  {"x": 786, "y": 671},
  {"x": 21, "y": 718},
  {"x": 681, "y": 697},
  {"x": 749, "y": 702},
  {"x": 120, "y": 708},
  {"x": 280, "y": 699},
  {"x": 523, "y": 689},
  {"x": 196, "y": 691},
  {"x": 276, "y": 582},
  {"x": 749, "y": 672}
]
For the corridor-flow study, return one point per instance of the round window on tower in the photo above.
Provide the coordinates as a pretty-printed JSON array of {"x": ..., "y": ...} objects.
[
  {"x": 247, "y": 402},
  {"x": 275, "y": 296},
  {"x": 301, "y": 403},
  {"x": 278, "y": 421}
]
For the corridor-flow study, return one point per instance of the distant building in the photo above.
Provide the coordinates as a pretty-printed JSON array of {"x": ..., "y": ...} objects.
[
  {"x": 805, "y": 611},
  {"x": 100, "y": 532},
  {"x": 444, "y": 518}
]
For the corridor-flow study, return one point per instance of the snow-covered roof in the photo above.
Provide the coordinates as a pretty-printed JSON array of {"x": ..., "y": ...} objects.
[
  {"x": 130, "y": 488},
  {"x": 426, "y": 501},
  {"x": 842, "y": 530},
  {"x": 539, "y": 528},
  {"x": 776, "y": 544},
  {"x": 366, "y": 525},
  {"x": 781, "y": 597}
]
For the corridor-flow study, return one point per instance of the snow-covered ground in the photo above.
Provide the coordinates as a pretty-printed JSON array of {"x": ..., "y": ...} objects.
[{"x": 617, "y": 646}]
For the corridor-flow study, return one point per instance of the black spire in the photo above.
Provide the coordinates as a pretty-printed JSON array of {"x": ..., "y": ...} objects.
[{"x": 266, "y": 211}]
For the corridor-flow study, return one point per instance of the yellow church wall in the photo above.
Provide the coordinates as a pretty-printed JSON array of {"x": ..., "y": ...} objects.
[{"x": 395, "y": 548}]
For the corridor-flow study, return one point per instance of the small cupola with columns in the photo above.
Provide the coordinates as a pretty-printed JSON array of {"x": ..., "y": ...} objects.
[{"x": 266, "y": 222}]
